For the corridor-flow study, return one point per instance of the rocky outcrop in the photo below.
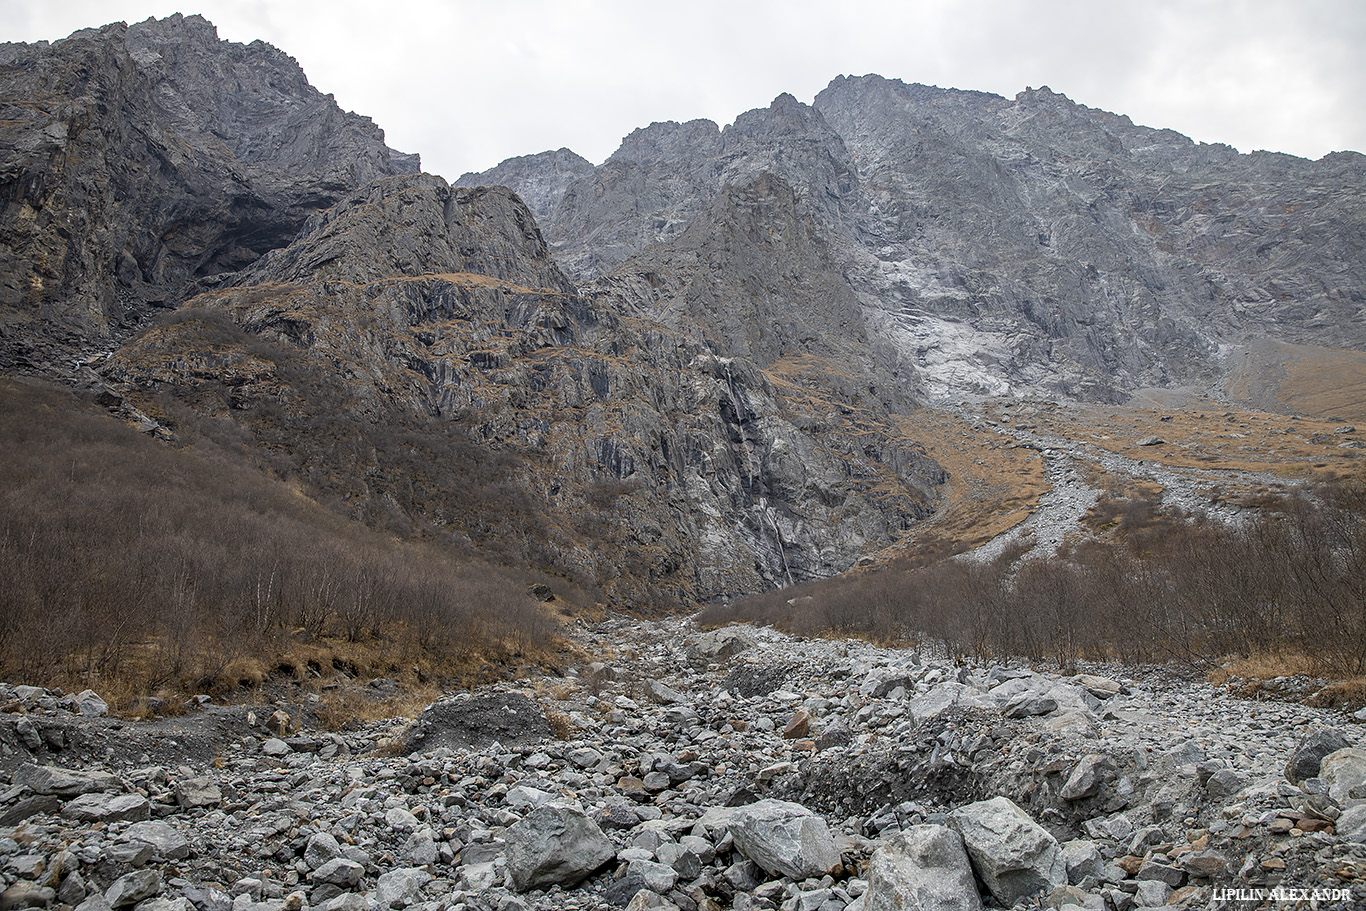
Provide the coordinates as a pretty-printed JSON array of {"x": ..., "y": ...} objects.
[
  {"x": 430, "y": 323},
  {"x": 140, "y": 159},
  {"x": 541, "y": 180},
  {"x": 1011, "y": 245}
]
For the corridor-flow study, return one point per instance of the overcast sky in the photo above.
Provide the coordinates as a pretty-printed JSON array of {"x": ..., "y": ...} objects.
[{"x": 468, "y": 83}]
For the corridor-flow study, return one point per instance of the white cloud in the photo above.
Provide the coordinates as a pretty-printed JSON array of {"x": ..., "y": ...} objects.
[{"x": 470, "y": 82}]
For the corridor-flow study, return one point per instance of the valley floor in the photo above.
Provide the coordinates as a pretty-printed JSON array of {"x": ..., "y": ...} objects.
[{"x": 675, "y": 768}]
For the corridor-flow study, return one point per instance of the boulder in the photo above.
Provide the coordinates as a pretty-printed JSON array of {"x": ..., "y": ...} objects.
[
  {"x": 945, "y": 696},
  {"x": 339, "y": 871},
  {"x": 1087, "y": 776},
  {"x": 1344, "y": 770},
  {"x": 65, "y": 783},
  {"x": 108, "y": 808},
  {"x": 163, "y": 837},
  {"x": 1304, "y": 762},
  {"x": 1014, "y": 856},
  {"x": 133, "y": 887},
  {"x": 924, "y": 868},
  {"x": 784, "y": 838},
  {"x": 555, "y": 845},
  {"x": 720, "y": 644}
]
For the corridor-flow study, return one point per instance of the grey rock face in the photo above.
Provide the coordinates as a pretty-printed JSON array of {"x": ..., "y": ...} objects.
[
  {"x": 65, "y": 783},
  {"x": 707, "y": 476},
  {"x": 173, "y": 156},
  {"x": 784, "y": 838},
  {"x": 555, "y": 845},
  {"x": 1014, "y": 856},
  {"x": 541, "y": 180},
  {"x": 1009, "y": 244},
  {"x": 924, "y": 868}
]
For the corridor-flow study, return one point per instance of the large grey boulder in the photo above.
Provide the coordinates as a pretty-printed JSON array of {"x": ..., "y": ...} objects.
[
  {"x": 784, "y": 838},
  {"x": 399, "y": 888},
  {"x": 1014, "y": 856},
  {"x": 946, "y": 696},
  {"x": 720, "y": 644},
  {"x": 1344, "y": 770},
  {"x": 162, "y": 836},
  {"x": 65, "y": 783},
  {"x": 1310, "y": 752},
  {"x": 555, "y": 845},
  {"x": 924, "y": 868},
  {"x": 133, "y": 887},
  {"x": 108, "y": 808}
]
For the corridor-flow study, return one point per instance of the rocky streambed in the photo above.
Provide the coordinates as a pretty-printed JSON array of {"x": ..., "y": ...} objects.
[{"x": 737, "y": 768}]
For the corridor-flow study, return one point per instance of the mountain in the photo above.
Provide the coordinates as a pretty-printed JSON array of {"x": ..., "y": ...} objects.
[
  {"x": 415, "y": 357},
  {"x": 138, "y": 160},
  {"x": 1026, "y": 245},
  {"x": 706, "y": 367}
]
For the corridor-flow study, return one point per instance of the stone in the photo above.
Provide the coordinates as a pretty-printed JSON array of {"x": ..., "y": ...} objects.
[
  {"x": 1083, "y": 859},
  {"x": 65, "y": 783},
  {"x": 197, "y": 793},
  {"x": 1087, "y": 777},
  {"x": 340, "y": 871},
  {"x": 1343, "y": 770},
  {"x": 555, "y": 845},
  {"x": 1351, "y": 823},
  {"x": 1100, "y": 687},
  {"x": 25, "y": 894},
  {"x": 923, "y": 868},
  {"x": 656, "y": 877},
  {"x": 164, "y": 838},
  {"x": 784, "y": 838},
  {"x": 132, "y": 888},
  {"x": 400, "y": 887},
  {"x": 98, "y": 807},
  {"x": 279, "y": 723},
  {"x": 1309, "y": 753},
  {"x": 275, "y": 747},
  {"x": 89, "y": 703},
  {"x": 1014, "y": 856},
  {"x": 321, "y": 848},
  {"x": 28, "y": 807}
]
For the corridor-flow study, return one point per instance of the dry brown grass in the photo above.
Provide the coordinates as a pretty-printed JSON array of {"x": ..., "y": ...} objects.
[{"x": 993, "y": 485}]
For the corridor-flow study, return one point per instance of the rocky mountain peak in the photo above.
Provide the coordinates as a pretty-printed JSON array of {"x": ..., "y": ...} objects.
[
  {"x": 416, "y": 225},
  {"x": 136, "y": 160}
]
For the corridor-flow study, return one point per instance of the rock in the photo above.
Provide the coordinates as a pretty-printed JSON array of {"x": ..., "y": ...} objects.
[
  {"x": 784, "y": 838},
  {"x": 1310, "y": 752},
  {"x": 1351, "y": 825},
  {"x": 555, "y": 845},
  {"x": 1013, "y": 855},
  {"x": 29, "y": 807},
  {"x": 923, "y": 868},
  {"x": 398, "y": 888},
  {"x": 1083, "y": 859},
  {"x": 721, "y": 644},
  {"x": 132, "y": 888},
  {"x": 654, "y": 876},
  {"x": 24, "y": 894},
  {"x": 275, "y": 747},
  {"x": 321, "y": 848},
  {"x": 28, "y": 732},
  {"x": 663, "y": 693},
  {"x": 339, "y": 871},
  {"x": 1344, "y": 770},
  {"x": 1087, "y": 777},
  {"x": 168, "y": 843},
  {"x": 197, "y": 793},
  {"x": 65, "y": 783},
  {"x": 89, "y": 703},
  {"x": 945, "y": 696},
  {"x": 108, "y": 808},
  {"x": 798, "y": 726}
]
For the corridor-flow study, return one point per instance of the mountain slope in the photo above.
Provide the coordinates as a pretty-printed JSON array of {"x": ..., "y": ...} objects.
[
  {"x": 1025, "y": 245},
  {"x": 464, "y": 390},
  {"x": 137, "y": 160}
]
